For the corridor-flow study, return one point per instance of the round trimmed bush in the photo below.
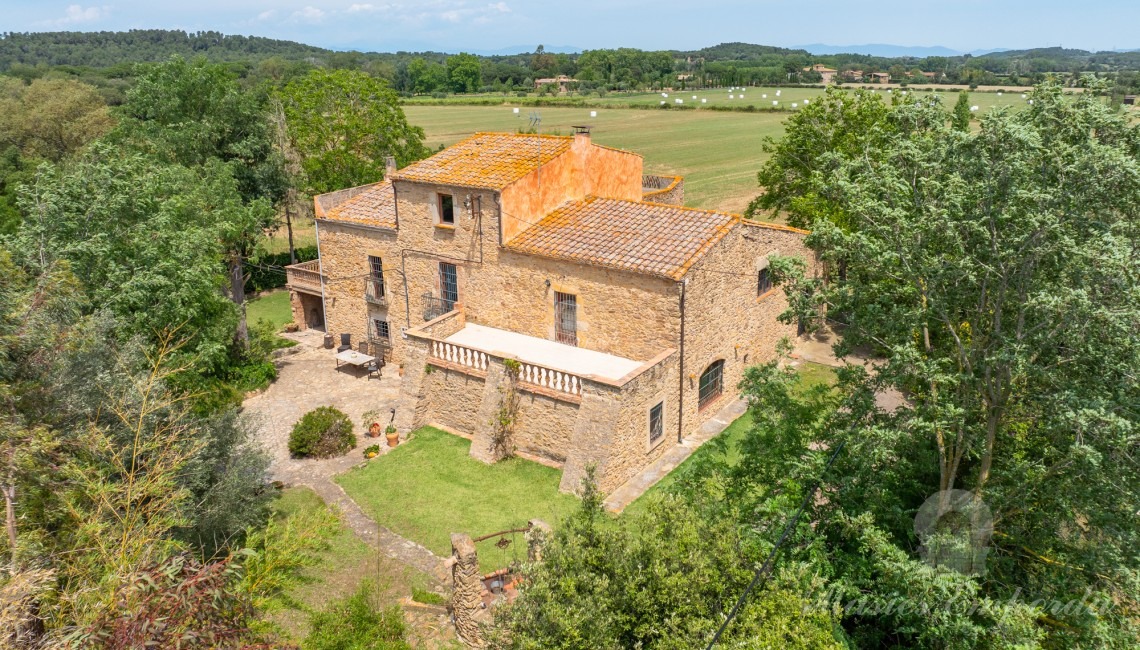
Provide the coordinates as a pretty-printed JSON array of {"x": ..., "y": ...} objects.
[{"x": 321, "y": 433}]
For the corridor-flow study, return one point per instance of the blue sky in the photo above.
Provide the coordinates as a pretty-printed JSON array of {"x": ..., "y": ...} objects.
[{"x": 488, "y": 25}]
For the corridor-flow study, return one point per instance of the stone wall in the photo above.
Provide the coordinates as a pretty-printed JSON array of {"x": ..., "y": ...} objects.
[
  {"x": 344, "y": 262},
  {"x": 671, "y": 194},
  {"x": 612, "y": 430},
  {"x": 724, "y": 317},
  {"x": 453, "y": 399}
]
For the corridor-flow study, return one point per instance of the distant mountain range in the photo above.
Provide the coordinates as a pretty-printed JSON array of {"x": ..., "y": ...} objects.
[{"x": 891, "y": 51}]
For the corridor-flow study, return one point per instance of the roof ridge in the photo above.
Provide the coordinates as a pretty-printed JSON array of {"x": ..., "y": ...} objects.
[{"x": 519, "y": 135}]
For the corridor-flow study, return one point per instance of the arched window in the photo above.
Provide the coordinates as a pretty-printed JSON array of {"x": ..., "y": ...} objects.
[{"x": 711, "y": 385}]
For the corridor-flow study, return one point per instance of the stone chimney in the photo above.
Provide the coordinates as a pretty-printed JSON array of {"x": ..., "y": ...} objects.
[{"x": 389, "y": 166}]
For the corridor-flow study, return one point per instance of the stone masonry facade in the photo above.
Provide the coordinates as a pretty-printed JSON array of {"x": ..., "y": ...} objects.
[{"x": 494, "y": 232}]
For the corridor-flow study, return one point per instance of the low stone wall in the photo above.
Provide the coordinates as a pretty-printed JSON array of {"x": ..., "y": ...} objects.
[
  {"x": 446, "y": 325},
  {"x": 670, "y": 193}
]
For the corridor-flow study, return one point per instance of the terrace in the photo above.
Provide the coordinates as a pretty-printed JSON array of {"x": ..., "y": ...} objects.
[
  {"x": 305, "y": 277},
  {"x": 547, "y": 367}
]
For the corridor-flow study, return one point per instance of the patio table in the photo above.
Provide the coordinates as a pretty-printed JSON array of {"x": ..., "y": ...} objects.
[{"x": 354, "y": 358}]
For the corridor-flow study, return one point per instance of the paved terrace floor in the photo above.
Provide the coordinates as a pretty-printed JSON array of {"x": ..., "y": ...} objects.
[{"x": 551, "y": 354}]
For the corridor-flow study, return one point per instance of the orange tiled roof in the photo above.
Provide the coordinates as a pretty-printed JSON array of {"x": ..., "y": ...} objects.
[
  {"x": 487, "y": 160},
  {"x": 375, "y": 206},
  {"x": 654, "y": 238}
]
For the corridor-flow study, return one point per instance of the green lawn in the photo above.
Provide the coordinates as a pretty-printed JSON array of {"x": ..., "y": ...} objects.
[
  {"x": 430, "y": 487},
  {"x": 273, "y": 307},
  {"x": 343, "y": 566},
  {"x": 811, "y": 373}
]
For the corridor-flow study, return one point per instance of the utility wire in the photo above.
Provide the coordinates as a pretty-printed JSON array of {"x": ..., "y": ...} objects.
[{"x": 765, "y": 569}]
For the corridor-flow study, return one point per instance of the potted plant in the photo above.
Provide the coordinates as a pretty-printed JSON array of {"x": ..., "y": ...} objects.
[
  {"x": 371, "y": 423},
  {"x": 372, "y": 451},
  {"x": 391, "y": 435}
]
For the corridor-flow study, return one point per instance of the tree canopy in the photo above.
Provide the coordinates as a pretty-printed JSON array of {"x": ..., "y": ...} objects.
[{"x": 343, "y": 125}]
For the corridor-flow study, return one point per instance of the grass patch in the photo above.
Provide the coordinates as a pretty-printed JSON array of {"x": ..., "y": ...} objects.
[
  {"x": 304, "y": 234},
  {"x": 430, "y": 487},
  {"x": 272, "y": 307},
  {"x": 344, "y": 566},
  {"x": 811, "y": 373}
]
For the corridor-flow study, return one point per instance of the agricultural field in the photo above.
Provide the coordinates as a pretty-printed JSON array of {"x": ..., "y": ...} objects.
[{"x": 718, "y": 153}]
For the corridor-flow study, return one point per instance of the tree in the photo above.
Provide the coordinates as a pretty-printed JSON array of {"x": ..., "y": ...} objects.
[
  {"x": 663, "y": 580},
  {"x": 50, "y": 118},
  {"x": 994, "y": 273},
  {"x": 344, "y": 124},
  {"x": 193, "y": 112},
  {"x": 464, "y": 72},
  {"x": 961, "y": 117},
  {"x": 148, "y": 241}
]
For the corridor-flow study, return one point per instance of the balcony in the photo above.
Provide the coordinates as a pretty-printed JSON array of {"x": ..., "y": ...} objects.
[
  {"x": 374, "y": 293},
  {"x": 435, "y": 307},
  {"x": 305, "y": 277}
]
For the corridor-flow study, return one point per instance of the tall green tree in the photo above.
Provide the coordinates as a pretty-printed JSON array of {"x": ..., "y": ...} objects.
[
  {"x": 960, "y": 119},
  {"x": 464, "y": 72},
  {"x": 193, "y": 112},
  {"x": 995, "y": 273},
  {"x": 344, "y": 124},
  {"x": 147, "y": 239}
]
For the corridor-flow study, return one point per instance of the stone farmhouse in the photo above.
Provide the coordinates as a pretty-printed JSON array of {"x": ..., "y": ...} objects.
[
  {"x": 553, "y": 265},
  {"x": 827, "y": 74}
]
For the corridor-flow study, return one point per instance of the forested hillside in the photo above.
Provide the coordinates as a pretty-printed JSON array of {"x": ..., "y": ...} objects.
[{"x": 106, "y": 58}]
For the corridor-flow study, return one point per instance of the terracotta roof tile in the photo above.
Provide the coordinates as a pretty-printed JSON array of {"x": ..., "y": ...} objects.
[
  {"x": 375, "y": 206},
  {"x": 487, "y": 160},
  {"x": 653, "y": 238}
]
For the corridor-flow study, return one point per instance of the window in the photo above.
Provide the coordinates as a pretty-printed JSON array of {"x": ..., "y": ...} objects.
[
  {"x": 656, "y": 422},
  {"x": 446, "y": 209},
  {"x": 380, "y": 330},
  {"x": 566, "y": 318},
  {"x": 375, "y": 288},
  {"x": 448, "y": 285},
  {"x": 763, "y": 282},
  {"x": 711, "y": 385}
]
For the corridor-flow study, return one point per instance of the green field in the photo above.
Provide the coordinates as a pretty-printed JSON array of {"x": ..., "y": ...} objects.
[
  {"x": 787, "y": 100},
  {"x": 718, "y": 153}
]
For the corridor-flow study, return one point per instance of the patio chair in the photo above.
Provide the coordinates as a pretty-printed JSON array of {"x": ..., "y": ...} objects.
[
  {"x": 345, "y": 343},
  {"x": 362, "y": 347},
  {"x": 374, "y": 367}
]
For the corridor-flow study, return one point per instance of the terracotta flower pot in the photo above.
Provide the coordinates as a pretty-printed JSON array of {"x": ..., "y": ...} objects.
[
  {"x": 393, "y": 438},
  {"x": 374, "y": 430}
]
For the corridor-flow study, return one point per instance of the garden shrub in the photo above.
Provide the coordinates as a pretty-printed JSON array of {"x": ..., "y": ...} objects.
[
  {"x": 427, "y": 597},
  {"x": 322, "y": 433},
  {"x": 357, "y": 623}
]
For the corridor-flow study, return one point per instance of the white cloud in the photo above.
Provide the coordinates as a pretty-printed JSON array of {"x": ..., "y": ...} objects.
[
  {"x": 452, "y": 16},
  {"x": 266, "y": 15},
  {"x": 362, "y": 8},
  {"x": 501, "y": 7},
  {"x": 309, "y": 14},
  {"x": 80, "y": 14}
]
